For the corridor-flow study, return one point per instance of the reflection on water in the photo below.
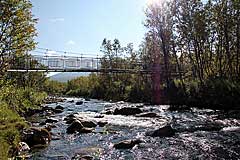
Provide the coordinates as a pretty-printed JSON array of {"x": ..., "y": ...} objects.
[{"x": 196, "y": 138}]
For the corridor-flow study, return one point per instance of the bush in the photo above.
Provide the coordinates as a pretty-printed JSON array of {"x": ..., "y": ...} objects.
[
  {"x": 21, "y": 99},
  {"x": 14, "y": 102},
  {"x": 10, "y": 125}
]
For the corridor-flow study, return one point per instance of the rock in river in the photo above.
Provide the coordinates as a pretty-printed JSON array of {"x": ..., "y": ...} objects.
[
  {"x": 23, "y": 147},
  {"x": 82, "y": 157},
  {"x": 58, "y": 110},
  {"x": 79, "y": 103},
  {"x": 59, "y": 107},
  {"x": 127, "y": 111},
  {"x": 166, "y": 131},
  {"x": 127, "y": 144},
  {"x": 36, "y": 136},
  {"x": 51, "y": 120},
  {"x": 77, "y": 126},
  {"x": 149, "y": 114},
  {"x": 102, "y": 123},
  {"x": 88, "y": 123}
]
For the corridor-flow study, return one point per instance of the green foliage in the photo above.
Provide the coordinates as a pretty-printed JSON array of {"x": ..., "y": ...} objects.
[
  {"x": 10, "y": 124},
  {"x": 17, "y": 31},
  {"x": 21, "y": 99},
  {"x": 54, "y": 87},
  {"x": 14, "y": 102}
]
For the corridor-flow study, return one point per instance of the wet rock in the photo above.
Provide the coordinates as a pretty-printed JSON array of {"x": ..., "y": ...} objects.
[
  {"x": 120, "y": 102},
  {"x": 88, "y": 123},
  {"x": 79, "y": 103},
  {"x": 102, "y": 123},
  {"x": 139, "y": 106},
  {"x": 58, "y": 110},
  {"x": 86, "y": 130},
  {"x": 71, "y": 101},
  {"x": 70, "y": 118},
  {"x": 42, "y": 123},
  {"x": 82, "y": 157},
  {"x": 48, "y": 113},
  {"x": 127, "y": 111},
  {"x": 73, "y": 115},
  {"x": 36, "y": 136},
  {"x": 99, "y": 116},
  {"x": 85, "y": 153},
  {"x": 49, "y": 127},
  {"x": 47, "y": 108},
  {"x": 59, "y": 107},
  {"x": 127, "y": 144},
  {"x": 51, "y": 120},
  {"x": 76, "y": 126},
  {"x": 107, "y": 111},
  {"x": 149, "y": 114},
  {"x": 166, "y": 131},
  {"x": 23, "y": 147},
  {"x": 56, "y": 136}
]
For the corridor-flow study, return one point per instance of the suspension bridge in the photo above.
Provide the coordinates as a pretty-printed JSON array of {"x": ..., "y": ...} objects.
[
  {"x": 97, "y": 64},
  {"x": 84, "y": 63}
]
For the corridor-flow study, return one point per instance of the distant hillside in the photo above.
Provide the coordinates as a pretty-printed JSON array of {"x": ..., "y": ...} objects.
[{"x": 66, "y": 76}]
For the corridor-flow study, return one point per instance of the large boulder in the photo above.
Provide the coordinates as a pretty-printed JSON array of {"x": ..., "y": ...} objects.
[
  {"x": 88, "y": 123},
  {"x": 74, "y": 127},
  {"x": 127, "y": 144},
  {"x": 166, "y": 131},
  {"x": 127, "y": 111},
  {"x": 71, "y": 117},
  {"x": 59, "y": 107},
  {"x": 85, "y": 130},
  {"x": 77, "y": 126},
  {"x": 36, "y": 136}
]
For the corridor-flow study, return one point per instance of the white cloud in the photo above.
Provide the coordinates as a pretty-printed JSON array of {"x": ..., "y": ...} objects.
[
  {"x": 71, "y": 42},
  {"x": 57, "y": 20}
]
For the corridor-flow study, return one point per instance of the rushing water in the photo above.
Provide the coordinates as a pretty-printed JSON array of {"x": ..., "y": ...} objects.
[{"x": 191, "y": 142}]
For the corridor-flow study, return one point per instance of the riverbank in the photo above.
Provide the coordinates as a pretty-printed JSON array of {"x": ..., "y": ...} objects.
[
  {"x": 215, "y": 93},
  {"x": 134, "y": 131}
]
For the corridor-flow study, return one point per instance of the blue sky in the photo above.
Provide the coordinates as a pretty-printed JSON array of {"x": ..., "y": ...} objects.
[{"x": 81, "y": 25}]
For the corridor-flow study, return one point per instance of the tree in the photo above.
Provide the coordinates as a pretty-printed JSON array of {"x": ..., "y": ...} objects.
[{"x": 17, "y": 31}]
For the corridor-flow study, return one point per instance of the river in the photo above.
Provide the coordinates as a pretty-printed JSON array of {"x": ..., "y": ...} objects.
[{"x": 196, "y": 136}]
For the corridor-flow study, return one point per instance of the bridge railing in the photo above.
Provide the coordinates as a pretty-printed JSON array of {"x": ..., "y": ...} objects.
[{"x": 92, "y": 64}]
